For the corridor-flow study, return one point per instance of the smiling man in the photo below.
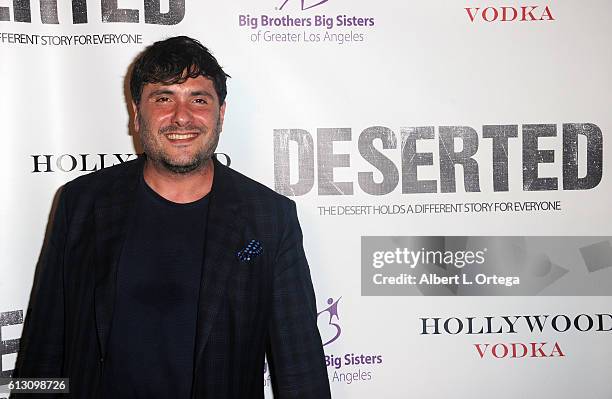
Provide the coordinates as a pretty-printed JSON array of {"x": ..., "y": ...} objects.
[{"x": 173, "y": 275}]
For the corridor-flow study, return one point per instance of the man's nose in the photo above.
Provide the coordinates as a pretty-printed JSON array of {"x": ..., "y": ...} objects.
[{"x": 182, "y": 114}]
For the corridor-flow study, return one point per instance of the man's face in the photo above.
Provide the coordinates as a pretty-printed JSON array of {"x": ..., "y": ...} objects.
[{"x": 179, "y": 124}]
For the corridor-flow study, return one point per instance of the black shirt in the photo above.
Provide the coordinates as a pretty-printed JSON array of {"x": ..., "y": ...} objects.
[{"x": 152, "y": 340}]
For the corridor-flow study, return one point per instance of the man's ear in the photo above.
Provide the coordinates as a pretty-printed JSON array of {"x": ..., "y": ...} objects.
[
  {"x": 222, "y": 115},
  {"x": 136, "y": 122}
]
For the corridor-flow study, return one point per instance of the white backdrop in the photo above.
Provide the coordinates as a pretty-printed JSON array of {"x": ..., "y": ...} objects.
[{"x": 414, "y": 64}]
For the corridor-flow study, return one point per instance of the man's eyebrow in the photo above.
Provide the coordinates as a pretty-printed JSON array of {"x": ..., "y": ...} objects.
[
  {"x": 160, "y": 91},
  {"x": 205, "y": 93},
  {"x": 195, "y": 93}
]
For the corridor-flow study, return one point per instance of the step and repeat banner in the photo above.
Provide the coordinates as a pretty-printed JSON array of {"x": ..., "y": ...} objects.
[{"x": 450, "y": 161}]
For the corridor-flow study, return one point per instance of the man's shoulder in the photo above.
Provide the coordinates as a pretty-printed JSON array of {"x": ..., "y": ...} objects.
[
  {"x": 105, "y": 178},
  {"x": 250, "y": 188}
]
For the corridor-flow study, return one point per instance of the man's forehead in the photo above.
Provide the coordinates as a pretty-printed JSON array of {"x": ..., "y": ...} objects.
[{"x": 200, "y": 83}]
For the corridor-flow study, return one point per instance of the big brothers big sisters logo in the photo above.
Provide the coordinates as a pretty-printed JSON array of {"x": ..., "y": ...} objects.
[
  {"x": 303, "y": 22},
  {"x": 328, "y": 321},
  {"x": 343, "y": 367},
  {"x": 346, "y": 367}
]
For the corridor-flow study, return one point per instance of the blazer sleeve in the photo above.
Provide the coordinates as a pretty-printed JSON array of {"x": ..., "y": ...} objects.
[
  {"x": 296, "y": 354},
  {"x": 41, "y": 346}
]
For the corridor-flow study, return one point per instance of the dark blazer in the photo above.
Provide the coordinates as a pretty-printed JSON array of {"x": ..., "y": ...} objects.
[{"x": 244, "y": 306}]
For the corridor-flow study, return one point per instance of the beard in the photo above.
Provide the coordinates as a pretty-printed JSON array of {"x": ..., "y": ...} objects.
[{"x": 159, "y": 157}]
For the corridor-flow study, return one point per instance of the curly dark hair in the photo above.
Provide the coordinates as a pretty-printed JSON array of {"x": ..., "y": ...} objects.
[{"x": 173, "y": 61}]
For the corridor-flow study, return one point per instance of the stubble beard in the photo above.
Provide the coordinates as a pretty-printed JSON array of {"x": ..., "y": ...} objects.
[{"x": 157, "y": 155}]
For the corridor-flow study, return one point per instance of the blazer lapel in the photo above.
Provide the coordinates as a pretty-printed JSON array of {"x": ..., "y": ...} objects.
[
  {"x": 113, "y": 212},
  {"x": 223, "y": 238}
]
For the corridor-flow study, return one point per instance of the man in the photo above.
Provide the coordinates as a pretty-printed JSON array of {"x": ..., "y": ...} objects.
[{"x": 171, "y": 275}]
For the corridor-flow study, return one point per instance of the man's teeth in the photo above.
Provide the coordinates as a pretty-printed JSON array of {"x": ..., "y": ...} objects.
[{"x": 177, "y": 136}]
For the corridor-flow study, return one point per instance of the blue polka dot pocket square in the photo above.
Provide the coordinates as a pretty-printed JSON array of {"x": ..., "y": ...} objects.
[{"x": 250, "y": 252}]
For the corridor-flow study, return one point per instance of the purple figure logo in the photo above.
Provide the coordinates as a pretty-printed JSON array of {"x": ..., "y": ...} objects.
[
  {"x": 332, "y": 310},
  {"x": 305, "y": 6}
]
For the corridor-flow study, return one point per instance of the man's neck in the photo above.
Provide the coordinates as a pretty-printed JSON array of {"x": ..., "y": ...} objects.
[{"x": 176, "y": 187}]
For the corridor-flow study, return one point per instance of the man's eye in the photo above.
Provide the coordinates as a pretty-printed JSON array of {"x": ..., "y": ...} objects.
[
  {"x": 200, "y": 101},
  {"x": 162, "y": 99}
]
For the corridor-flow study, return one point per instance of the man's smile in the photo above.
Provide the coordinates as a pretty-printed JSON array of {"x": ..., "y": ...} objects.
[{"x": 181, "y": 136}]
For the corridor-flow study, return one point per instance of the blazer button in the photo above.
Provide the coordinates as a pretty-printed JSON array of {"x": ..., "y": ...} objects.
[{"x": 101, "y": 360}]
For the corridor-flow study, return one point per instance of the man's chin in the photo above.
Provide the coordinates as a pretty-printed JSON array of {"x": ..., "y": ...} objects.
[{"x": 182, "y": 168}]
